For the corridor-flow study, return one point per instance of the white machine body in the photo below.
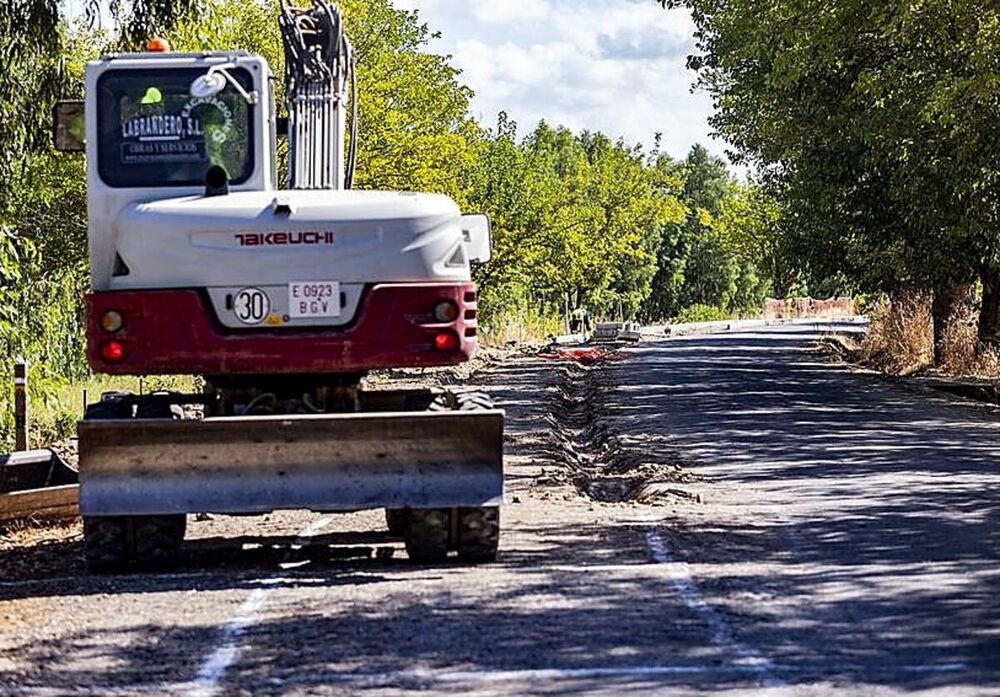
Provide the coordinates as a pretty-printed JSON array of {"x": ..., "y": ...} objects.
[{"x": 148, "y": 231}]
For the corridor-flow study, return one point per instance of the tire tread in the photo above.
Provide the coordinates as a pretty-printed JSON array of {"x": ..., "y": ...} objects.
[{"x": 427, "y": 534}]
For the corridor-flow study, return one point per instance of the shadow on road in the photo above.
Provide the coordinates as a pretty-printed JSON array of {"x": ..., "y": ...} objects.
[
  {"x": 560, "y": 602},
  {"x": 852, "y": 520},
  {"x": 866, "y": 555}
]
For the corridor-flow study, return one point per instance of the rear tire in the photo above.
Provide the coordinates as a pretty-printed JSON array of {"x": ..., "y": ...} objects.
[
  {"x": 478, "y": 534},
  {"x": 110, "y": 408},
  {"x": 152, "y": 408},
  {"x": 427, "y": 534}
]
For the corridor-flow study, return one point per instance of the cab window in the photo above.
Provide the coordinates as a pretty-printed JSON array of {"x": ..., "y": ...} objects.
[{"x": 152, "y": 132}]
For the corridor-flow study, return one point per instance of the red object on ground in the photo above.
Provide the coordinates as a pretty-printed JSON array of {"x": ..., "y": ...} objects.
[
  {"x": 587, "y": 356},
  {"x": 175, "y": 332},
  {"x": 158, "y": 45}
]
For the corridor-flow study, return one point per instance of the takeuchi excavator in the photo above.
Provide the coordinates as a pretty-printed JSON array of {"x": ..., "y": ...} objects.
[{"x": 281, "y": 299}]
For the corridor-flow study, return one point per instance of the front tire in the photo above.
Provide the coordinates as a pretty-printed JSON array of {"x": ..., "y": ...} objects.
[
  {"x": 105, "y": 543},
  {"x": 473, "y": 532},
  {"x": 427, "y": 534},
  {"x": 478, "y": 534},
  {"x": 115, "y": 543}
]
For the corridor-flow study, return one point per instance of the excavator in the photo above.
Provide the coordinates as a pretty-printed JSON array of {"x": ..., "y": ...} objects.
[{"x": 282, "y": 300}]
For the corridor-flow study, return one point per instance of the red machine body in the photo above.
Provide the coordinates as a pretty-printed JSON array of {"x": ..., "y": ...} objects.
[{"x": 176, "y": 332}]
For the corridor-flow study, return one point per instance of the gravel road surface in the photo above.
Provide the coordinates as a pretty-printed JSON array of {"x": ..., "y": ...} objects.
[{"x": 728, "y": 513}]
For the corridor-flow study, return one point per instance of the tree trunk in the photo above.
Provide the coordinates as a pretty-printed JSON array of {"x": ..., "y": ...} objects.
[
  {"x": 989, "y": 315},
  {"x": 949, "y": 309},
  {"x": 779, "y": 282}
]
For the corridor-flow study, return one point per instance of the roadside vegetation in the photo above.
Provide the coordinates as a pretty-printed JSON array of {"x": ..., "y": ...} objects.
[
  {"x": 871, "y": 130},
  {"x": 876, "y": 126},
  {"x": 578, "y": 218}
]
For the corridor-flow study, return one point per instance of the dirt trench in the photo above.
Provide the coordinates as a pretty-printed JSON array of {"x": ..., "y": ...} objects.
[
  {"x": 562, "y": 444},
  {"x": 585, "y": 449}
]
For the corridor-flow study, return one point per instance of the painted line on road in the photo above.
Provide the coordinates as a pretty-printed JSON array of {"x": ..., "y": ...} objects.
[
  {"x": 722, "y": 635},
  {"x": 426, "y": 677},
  {"x": 208, "y": 680}
]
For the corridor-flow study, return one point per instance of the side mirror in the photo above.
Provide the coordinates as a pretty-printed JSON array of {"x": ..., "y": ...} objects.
[
  {"x": 478, "y": 238},
  {"x": 69, "y": 127}
]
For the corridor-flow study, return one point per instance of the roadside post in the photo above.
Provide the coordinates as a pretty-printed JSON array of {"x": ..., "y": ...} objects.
[
  {"x": 20, "y": 404},
  {"x": 34, "y": 484}
]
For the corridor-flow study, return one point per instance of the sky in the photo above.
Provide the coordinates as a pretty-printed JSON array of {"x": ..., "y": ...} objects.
[{"x": 616, "y": 66}]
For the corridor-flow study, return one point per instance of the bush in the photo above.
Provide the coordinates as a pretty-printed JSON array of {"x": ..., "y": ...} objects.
[
  {"x": 524, "y": 325},
  {"x": 41, "y": 320},
  {"x": 702, "y": 313},
  {"x": 900, "y": 340}
]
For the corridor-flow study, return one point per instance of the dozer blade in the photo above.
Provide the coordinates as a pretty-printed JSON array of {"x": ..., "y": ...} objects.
[
  {"x": 322, "y": 463},
  {"x": 36, "y": 484}
]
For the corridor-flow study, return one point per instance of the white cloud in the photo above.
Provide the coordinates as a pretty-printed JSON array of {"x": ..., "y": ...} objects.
[
  {"x": 617, "y": 66},
  {"x": 510, "y": 12}
]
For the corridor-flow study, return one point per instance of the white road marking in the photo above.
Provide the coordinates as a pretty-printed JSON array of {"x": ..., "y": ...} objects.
[
  {"x": 722, "y": 635},
  {"x": 207, "y": 682}
]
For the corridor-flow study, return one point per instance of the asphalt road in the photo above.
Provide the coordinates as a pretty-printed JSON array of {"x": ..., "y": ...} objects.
[
  {"x": 810, "y": 531},
  {"x": 850, "y": 536}
]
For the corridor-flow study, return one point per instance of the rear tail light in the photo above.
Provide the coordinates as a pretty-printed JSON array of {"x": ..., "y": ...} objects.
[
  {"x": 446, "y": 341},
  {"x": 111, "y": 321},
  {"x": 112, "y": 351},
  {"x": 446, "y": 311}
]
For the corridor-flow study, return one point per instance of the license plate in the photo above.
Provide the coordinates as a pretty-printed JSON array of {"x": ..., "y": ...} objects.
[{"x": 309, "y": 299}]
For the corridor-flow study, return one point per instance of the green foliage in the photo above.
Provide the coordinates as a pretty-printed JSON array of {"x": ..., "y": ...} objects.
[
  {"x": 752, "y": 225},
  {"x": 31, "y": 78},
  {"x": 36, "y": 69},
  {"x": 877, "y": 122},
  {"x": 578, "y": 218},
  {"x": 415, "y": 132},
  {"x": 702, "y": 313},
  {"x": 40, "y": 321},
  {"x": 706, "y": 259}
]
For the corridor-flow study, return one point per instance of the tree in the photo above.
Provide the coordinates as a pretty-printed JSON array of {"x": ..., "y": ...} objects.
[
  {"x": 879, "y": 119},
  {"x": 416, "y": 133},
  {"x": 695, "y": 263},
  {"x": 33, "y": 70},
  {"x": 753, "y": 226}
]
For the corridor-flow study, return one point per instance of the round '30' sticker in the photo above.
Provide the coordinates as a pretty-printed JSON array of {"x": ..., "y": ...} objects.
[{"x": 251, "y": 305}]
